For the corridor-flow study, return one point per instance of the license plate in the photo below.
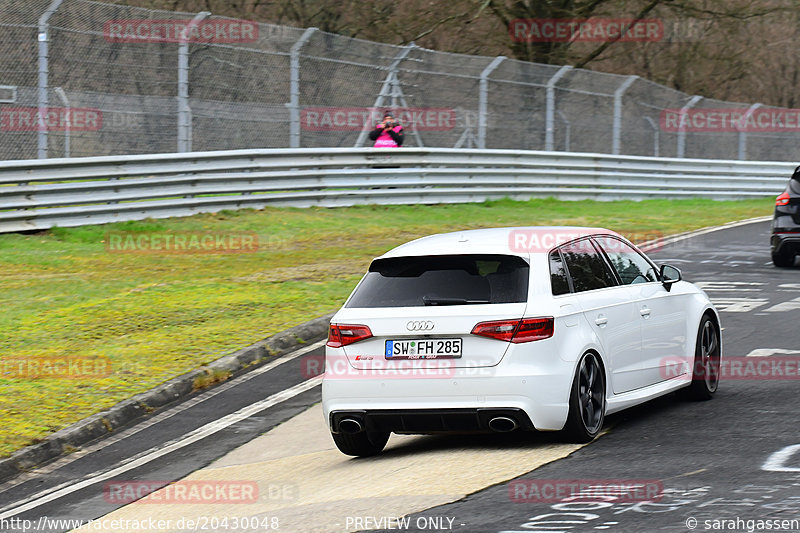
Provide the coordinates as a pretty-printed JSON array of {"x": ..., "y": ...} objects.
[{"x": 423, "y": 349}]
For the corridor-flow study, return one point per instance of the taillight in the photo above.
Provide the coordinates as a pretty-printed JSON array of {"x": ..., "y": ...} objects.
[
  {"x": 783, "y": 199},
  {"x": 518, "y": 330},
  {"x": 499, "y": 329},
  {"x": 343, "y": 334},
  {"x": 534, "y": 329}
]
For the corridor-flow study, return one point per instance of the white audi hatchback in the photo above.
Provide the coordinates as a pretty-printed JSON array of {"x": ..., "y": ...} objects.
[{"x": 493, "y": 330}]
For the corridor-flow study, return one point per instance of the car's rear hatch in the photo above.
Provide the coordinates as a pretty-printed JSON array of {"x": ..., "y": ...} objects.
[
  {"x": 793, "y": 207},
  {"x": 427, "y": 337},
  {"x": 787, "y": 209},
  {"x": 421, "y": 310}
]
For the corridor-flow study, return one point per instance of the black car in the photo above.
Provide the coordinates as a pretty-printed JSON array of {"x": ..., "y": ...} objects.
[{"x": 785, "y": 239}]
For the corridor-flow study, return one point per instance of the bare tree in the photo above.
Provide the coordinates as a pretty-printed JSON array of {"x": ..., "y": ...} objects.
[{"x": 736, "y": 49}]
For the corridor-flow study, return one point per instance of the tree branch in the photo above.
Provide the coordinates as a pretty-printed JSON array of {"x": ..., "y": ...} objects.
[{"x": 603, "y": 47}]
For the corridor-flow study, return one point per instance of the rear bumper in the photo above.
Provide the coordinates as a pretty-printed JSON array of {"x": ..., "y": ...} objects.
[
  {"x": 430, "y": 420},
  {"x": 456, "y": 403},
  {"x": 785, "y": 243}
]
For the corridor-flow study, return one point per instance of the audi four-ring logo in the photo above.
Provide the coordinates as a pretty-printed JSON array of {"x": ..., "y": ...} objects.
[{"x": 419, "y": 325}]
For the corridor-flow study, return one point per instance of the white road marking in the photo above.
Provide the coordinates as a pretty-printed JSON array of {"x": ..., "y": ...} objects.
[
  {"x": 734, "y": 286},
  {"x": 790, "y": 286},
  {"x": 766, "y": 352},
  {"x": 782, "y": 307},
  {"x": 777, "y": 461},
  {"x": 738, "y": 305},
  {"x": 147, "y": 456},
  {"x": 169, "y": 413}
]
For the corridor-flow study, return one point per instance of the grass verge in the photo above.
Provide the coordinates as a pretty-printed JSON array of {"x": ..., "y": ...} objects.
[{"x": 151, "y": 317}]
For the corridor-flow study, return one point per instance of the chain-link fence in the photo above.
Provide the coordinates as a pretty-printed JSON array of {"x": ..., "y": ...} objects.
[{"x": 82, "y": 78}]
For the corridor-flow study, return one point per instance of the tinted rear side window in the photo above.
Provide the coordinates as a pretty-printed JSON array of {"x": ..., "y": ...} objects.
[
  {"x": 443, "y": 280},
  {"x": 587, "y": 268},
  {"x": 558, "y": 274}
]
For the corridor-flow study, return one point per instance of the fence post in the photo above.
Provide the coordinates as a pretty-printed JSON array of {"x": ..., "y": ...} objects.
[
  {"x": 653, "y": 127},
  {"x": 67, "y": 123},
  {"x": 294, "y": 88},
  {"x": 483, "y": 99},
  {"x": 617, "y": 133},
  {"x": 681, "y": 128},
  {"x": 184, "y": 111},
  {"x": 44, "y": 39},
  {"x": 550, "y": 113},
  {"x": 567, "y": 128},
  {"x": 742, "y": 127}
]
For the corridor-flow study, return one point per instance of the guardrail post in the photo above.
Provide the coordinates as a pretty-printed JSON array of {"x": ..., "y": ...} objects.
[
  {"x": 742, "y": 127},
  {"x": 294, "y": 88},
  {"x": 681, "y": 129},
  {"x": 617, "y": 134},
  {"x": 44, "y": 40},
  {"x": 550, "y": 112},
  {"x": 483, "y": 99},
  {"x": 184, "y": 111}
]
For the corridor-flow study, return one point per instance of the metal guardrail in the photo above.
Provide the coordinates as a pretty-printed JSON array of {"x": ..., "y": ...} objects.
[{"x": 40, "y": 194}]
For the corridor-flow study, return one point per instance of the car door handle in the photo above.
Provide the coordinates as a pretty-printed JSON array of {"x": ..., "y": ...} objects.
[
  {"x": 645, "y": 312},
  {"x": 601, "y": 320}
]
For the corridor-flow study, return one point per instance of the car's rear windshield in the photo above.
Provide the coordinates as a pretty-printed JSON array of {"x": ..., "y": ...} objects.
[{"x": 443, "y": 280}]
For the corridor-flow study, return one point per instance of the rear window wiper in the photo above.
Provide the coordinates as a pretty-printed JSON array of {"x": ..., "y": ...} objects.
[{"x": 434, "y": 300}]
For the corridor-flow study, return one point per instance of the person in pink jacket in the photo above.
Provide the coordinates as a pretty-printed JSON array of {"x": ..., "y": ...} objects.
[{"x": 387, "y": 134}]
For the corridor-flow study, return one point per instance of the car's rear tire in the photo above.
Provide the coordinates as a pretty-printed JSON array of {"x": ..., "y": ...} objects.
[
  {"x": 707, "y": 356},
  {"x": 587, "y": 400},
  {"x": 362, "y": 444},
  {"x": 782, "y": 260}
]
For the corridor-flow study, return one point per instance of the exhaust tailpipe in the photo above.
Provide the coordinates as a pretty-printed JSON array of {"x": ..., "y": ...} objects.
[
  {"x": 502, "y": 424},
  {"x": 350, "y": 426}
]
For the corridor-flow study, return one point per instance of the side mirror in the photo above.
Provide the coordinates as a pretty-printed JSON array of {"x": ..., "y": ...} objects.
[{"x": 669, "y": 276}]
